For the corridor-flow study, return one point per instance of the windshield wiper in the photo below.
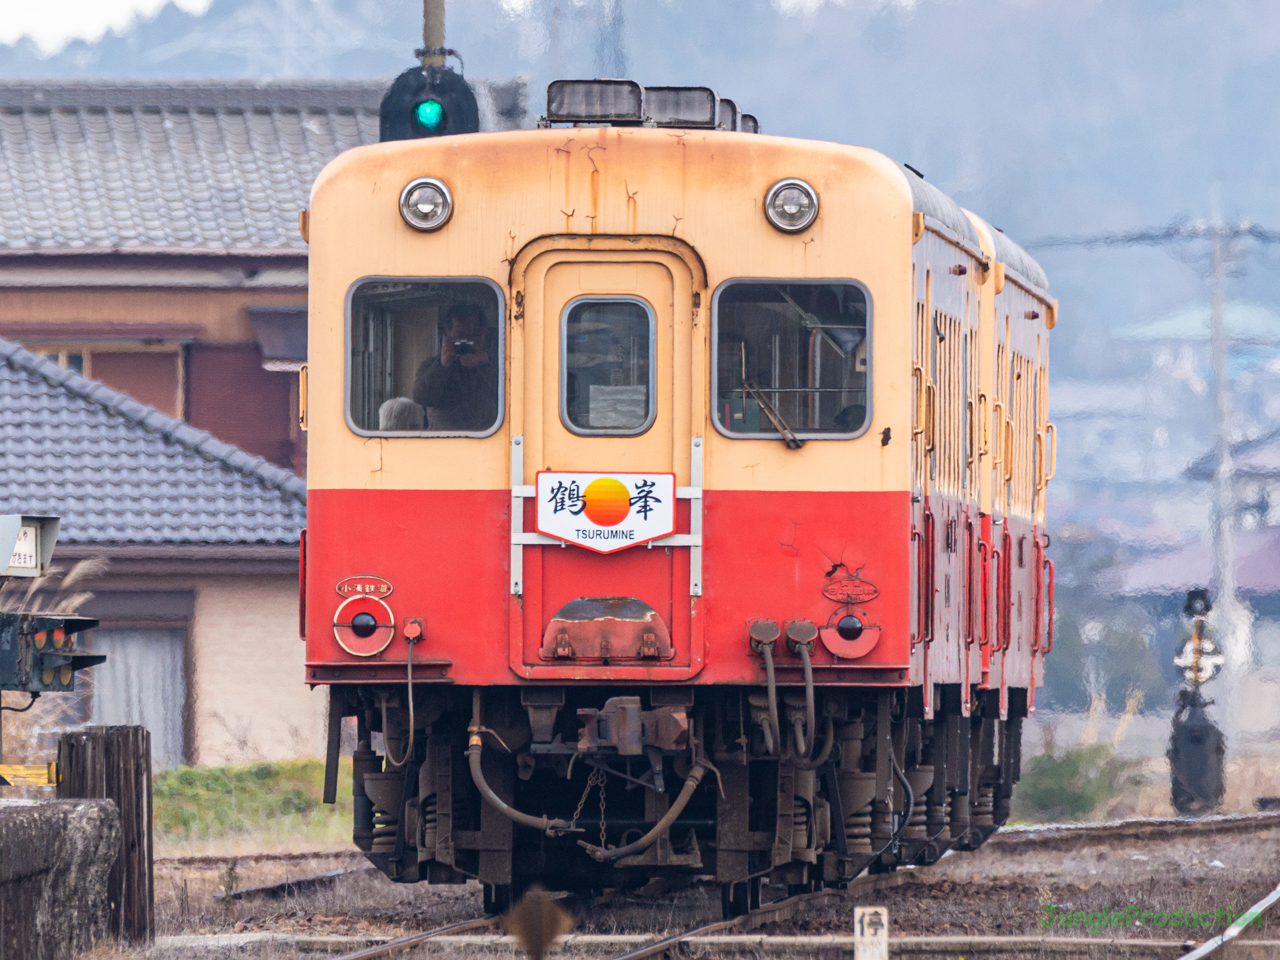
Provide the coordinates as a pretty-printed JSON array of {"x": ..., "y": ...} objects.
[{"x": 788, "y": 435}]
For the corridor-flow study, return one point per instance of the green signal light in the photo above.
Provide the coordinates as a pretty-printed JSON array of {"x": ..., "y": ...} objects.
[{"x": 429, "y": 114}]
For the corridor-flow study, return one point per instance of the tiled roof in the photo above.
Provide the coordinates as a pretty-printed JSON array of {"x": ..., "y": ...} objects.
[
  {"x": 210, "y": 166},
  {"x": 201, "y": 167},
  {"x": 118, "y": 471}
]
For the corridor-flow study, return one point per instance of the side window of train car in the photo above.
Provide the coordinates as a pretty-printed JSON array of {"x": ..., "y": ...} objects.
[
  {"x": 426, "y": 357},
  {"x": 791, "y": 358},
  {"x": 607, "y": 366}
]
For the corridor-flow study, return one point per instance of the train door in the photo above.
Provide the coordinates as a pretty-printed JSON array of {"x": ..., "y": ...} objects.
[{"x": 606, "y": 466}]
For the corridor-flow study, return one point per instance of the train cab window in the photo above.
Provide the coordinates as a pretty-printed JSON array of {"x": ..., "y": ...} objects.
[
  {"x": 426, "y": 357},
  {"x": 607, "y": 366},
  {"x": 792, "y": 359}
]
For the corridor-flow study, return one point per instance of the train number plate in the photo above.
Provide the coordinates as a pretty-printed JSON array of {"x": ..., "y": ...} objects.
[{"x": 606, "y": 512}]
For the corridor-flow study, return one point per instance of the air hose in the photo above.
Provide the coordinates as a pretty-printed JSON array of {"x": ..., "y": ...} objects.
[
  {"x": 475, "y": 745},
  {"x": 766, "y": 651},
  {"x": 613, "y": 854},
  {"x": 392, "y": 763}
]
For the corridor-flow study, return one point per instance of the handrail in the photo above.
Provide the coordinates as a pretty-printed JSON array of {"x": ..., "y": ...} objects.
[
  {"x": 968, "y": 584},
  {"x": 931, "y": 586},
  {"x": 983, "y": 411},
  {"x": 971, "y": 447},
  {"x": 1008, "y": 461},
  {"x": 1053, "y": 459},
  {"x": 997, "y": 410},
  {"x": 930, "y": 436},
  {"x": 1049, "y": 607},
  {"x": 917, "y": 373},
  {"x": 997, "y": 560},
  {"x": 985, "y": 551}
]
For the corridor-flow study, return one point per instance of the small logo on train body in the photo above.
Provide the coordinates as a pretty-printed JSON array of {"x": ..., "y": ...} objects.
[
  {"x": 606, "y": 512},
  {"x": 366, "y": 586}
]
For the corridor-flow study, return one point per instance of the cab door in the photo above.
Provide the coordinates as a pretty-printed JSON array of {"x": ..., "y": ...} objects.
[{"x": 605, "y": 346}]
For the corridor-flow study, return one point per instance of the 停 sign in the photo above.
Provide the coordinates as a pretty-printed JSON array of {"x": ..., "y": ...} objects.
[
  {"x": 606, "y": 512},
  {"x": 870, "y": 933}
]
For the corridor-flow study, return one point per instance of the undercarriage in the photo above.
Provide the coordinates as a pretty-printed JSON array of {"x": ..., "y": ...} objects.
[{"x": 586, "y": 788}]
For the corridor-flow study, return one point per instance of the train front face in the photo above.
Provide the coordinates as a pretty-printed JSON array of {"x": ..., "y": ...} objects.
[{"x": 597, "y": 417}]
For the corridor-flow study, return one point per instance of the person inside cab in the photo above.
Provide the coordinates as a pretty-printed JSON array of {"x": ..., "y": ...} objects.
[{"x": 458, "y": 389}]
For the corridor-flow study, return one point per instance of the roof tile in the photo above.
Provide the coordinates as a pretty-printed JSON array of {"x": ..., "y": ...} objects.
[
  {"x": 211, "y": 167},
  {"x": 118, "y": 471}
]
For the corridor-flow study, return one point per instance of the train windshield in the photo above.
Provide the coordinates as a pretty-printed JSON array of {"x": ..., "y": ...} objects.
[
  {"x": 791, "y": 359},
  {"x": 607, "y": 385},
  {"x": 426, "y": 357}
]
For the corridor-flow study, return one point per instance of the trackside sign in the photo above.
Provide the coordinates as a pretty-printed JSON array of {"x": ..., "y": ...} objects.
[{"x": 606, "y": 512}]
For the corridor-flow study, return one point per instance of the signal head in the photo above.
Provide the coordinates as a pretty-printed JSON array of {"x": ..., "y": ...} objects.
[
  {"x": 429, "y": 114},
  {"x": 428, "y": 102}
]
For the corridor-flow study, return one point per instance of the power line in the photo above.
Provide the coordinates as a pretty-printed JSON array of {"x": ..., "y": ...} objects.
[
  {"x": 1220, "y": 236},
  {"x": 1179, "y": 231}
]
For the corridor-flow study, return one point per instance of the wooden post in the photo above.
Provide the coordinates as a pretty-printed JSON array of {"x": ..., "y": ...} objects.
[{"x": 114, "y": 763}]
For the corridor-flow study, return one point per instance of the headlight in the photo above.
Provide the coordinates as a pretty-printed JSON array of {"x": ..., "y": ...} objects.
[
  {"x": 426, "y": 204},
  {"x": 791, "y": 205}
]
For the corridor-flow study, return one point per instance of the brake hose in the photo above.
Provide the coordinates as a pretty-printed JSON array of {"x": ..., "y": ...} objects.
[
  {"x": 475, "y": 746},
  {"x": 766, "y": 651},
  {"x": 828, "y": 732},
  {"x": 809, "y": 712},
  {"x": 613, "y": 854}
]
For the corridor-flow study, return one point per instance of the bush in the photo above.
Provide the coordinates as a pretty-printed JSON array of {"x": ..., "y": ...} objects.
[
  {"x": 206, "y": 803},
  {"x": 1071, "y": 785}
]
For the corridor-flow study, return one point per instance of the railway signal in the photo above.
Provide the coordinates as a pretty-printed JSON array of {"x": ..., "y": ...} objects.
[
  {"x": 425, "y": 102},
  {"x": 429, "y": 100},
  {"x": 1196, "y": 746},
  {"x": 37, "y": 649}
]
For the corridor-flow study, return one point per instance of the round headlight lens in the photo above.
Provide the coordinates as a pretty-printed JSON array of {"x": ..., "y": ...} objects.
[
  {"x": 791, "y": 205},
  {"x": 363, "y": 625},
  {"x": 426, "y": 204},
  {"x": 849, "y": 627}
]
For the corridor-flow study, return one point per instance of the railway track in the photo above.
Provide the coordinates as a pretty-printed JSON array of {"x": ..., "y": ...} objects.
[
  {"x": 1048, "y": 834},
  {"x": 1143, "y": 828},
  {"x": 767, "y": 913}
]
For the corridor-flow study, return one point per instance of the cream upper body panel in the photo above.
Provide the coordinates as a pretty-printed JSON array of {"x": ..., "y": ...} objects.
[
  {"x": 704, "y": 189},
  {"x": 1013, "y": 374}
]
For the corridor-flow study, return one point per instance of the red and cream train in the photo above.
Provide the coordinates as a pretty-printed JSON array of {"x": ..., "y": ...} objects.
[{"x": 676, "y": 501}]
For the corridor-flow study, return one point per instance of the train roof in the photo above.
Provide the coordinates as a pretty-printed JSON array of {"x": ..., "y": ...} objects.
[
  {"x": 1018, "y": 260},
  {"x": 932, "y": 202}
]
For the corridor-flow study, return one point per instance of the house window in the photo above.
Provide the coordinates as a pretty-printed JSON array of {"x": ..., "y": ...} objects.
[
  {"x": 143, "y": 683},
  {"x": 154, "y": 375}
]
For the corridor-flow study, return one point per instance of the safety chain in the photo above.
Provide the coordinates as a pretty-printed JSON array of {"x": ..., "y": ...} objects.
[
  {"x": 602, "y": 782},
  {"x": 597, "y": 778}
]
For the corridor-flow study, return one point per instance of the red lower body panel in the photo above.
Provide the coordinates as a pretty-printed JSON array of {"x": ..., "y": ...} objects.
[{"x": 446, "y": 554}]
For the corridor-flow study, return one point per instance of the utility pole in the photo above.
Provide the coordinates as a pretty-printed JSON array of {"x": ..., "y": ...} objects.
[
  {"x": 1234, "y": 617},
  {"x": 433, "y": 33},
  {"x": 1238, "y": 644}
]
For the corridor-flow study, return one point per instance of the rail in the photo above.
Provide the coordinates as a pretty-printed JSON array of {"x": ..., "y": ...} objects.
[
  {"x": 393, "y": 947},
  {"x": 1144, "y": 828},
  {"x": 1233, "y": 931},
  {"x": 768, "y": 913}
]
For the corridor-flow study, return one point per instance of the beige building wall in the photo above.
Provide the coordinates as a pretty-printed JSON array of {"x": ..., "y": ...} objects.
[{"x": 247, "y": 697}]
